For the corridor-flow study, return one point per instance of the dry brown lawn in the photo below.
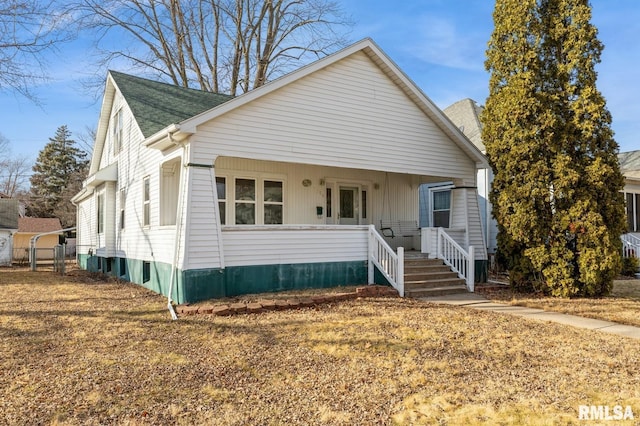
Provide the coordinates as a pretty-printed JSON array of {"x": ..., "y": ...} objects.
[
  {"x": 622, "y": 306},
  {"x": 78, "y": 350}
]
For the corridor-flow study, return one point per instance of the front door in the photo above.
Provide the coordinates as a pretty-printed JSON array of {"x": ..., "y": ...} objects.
[{"x": 349, "y": 214}]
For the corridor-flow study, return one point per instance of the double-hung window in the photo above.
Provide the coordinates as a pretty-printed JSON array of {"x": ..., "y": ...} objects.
[
  {"x": 221, "y": 187},
  {"x": 245, "y": 201},
  {"x": 273, "y": 202},
  {"x": 441, "y": 208}
]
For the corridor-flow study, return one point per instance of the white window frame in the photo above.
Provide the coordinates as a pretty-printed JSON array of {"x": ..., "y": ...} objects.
[
  {"x": 259, "y": 203},
  {"x": 146, "y": 201},
  {"x": 432, "y": 210},
  {"x": 117, "y": 131},
  {"x": 169, "y": 191},
  {"x": 634, "y": 220},
  {"x": 123, "y": 202},
  {"x": 101, "y": 199},
  {"x": 222, "y": 202}
]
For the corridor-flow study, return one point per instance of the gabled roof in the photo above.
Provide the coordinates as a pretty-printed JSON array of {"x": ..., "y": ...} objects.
[
  {"x": 387, "y": 66},
  {"x": 35, "y": 225},
  {"x": 466, "y": 115},
  {"x": 156, "y": 105},
  {"x": 630, "y": 164}
]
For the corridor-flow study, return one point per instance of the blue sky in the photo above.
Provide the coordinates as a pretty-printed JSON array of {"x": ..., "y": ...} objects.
[{"x": 440, "y": 45}]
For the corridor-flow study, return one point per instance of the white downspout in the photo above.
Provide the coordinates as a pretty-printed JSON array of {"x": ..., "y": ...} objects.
[{"x": 179, "y": 214}]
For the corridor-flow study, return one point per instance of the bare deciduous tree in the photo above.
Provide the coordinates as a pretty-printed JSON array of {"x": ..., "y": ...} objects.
[
  {"x": 215, "y": 45},
  {"x": 14, "y": 171},
  {"x": 28, "y": 28}
]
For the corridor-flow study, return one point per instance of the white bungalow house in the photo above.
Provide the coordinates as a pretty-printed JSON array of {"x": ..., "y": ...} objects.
[{"x": 198, "y": 195}]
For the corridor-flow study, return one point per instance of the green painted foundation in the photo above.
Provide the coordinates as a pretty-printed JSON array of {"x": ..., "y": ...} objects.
[
  {"x": 201, "y": 284},
  {"x": 481, "y": 270}
]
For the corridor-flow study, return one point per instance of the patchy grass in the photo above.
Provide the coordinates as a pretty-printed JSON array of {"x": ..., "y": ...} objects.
[
  {"x": 78, "y": 350},
  {"x": 622, "y": 306}
]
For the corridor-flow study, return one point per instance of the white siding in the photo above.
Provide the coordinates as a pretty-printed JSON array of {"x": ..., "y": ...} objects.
[
  {"x": 152, "y": 243},
  {"x": 390, "y": 196},
  {"x": 270, "y": 245},
  {"x": 86, "y": 231},
  {"x": 474, "y": 225},
  {"x": 347, "y": 115},
  {"x": 203, "y": 248}
]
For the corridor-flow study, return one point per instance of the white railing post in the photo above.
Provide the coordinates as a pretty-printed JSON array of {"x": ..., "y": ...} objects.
[
  {"x": 471, "y": 270},
  {"x": 400, "y": 277},
  {"x": 370, "y": 271}
]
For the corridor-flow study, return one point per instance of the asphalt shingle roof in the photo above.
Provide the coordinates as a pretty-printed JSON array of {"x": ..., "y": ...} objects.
[
  {"x": 38, "y": 224},
  {"x": 156, "y": 105}
]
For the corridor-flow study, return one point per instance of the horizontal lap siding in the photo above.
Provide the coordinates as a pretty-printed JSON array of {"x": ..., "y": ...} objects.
[
  {"x": 476, "y": 238},
  {"x": 347, "y": 115},
  {"x": 202, "y": 228},
  {"x": 271, "y": 247}
]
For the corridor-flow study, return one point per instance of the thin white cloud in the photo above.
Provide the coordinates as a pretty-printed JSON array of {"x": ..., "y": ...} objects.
[{"x": 441, "y": 41}]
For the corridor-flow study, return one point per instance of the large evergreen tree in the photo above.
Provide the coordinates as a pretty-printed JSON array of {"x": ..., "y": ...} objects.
[
  {"x": 57, "y": 176},
  {"x": 556, "y": 193}
]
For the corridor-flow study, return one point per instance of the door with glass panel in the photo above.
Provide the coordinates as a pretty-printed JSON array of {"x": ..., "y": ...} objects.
[{"x": 349, "y": 214}]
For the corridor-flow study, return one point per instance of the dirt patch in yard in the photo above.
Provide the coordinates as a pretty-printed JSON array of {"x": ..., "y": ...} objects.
[{"x": 74, "y": 351}]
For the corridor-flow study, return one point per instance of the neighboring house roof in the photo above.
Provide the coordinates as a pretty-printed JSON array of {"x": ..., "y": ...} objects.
[
  {"x": 156, "y": 105},
  {"x": 3, "y": 195},
  {"x": 630, "y": 164},
  {"x": 36, "y": 225},
  {"x": 466, "y": 115}
]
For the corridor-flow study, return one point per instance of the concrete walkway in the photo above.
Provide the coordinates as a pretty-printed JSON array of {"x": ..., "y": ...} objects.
[{"x": 476, "y": 301}]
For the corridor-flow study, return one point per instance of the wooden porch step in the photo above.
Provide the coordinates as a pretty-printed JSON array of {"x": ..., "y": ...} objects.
[
  {"x": 425, "y": 277},
  {"x": 440, "y": 282},
  {"x": 435, "y": 291}
]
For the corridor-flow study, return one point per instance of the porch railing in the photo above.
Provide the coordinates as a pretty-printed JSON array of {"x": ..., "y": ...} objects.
[
  {"x": 389, "y": 263},
  {"x": 630, "y": 245},
  {"x": 459, "y": 260}
]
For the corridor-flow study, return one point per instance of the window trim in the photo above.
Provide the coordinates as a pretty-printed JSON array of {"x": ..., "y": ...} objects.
[
  {"x": 146, "y": 201},
  {"x": 123, "y": 202},
  {"x": 222, "y": 202},
  {"x": 117, "y": 131},
  {"x": 231, "y": 176},
  {"x": 101, "y": 198},
  {"x": 432, "y": 209},
  {"x": 632, "y": 211}
]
